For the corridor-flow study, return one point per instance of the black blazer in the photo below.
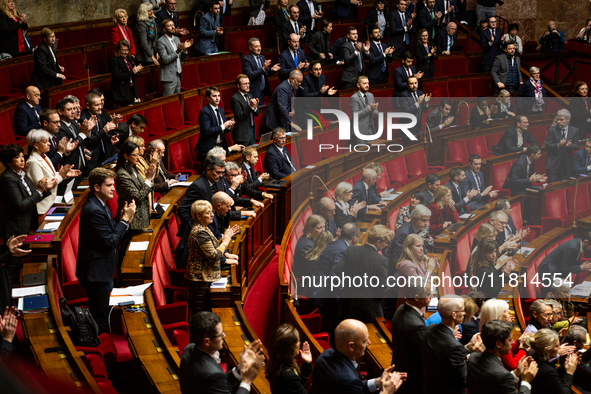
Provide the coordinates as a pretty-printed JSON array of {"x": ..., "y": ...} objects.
[
  {"x": 287, "y": 29},
  {"x": 254, "y": 72},
  {"x": 306, "y": 18},
  {"x": 98, "y": 154},
  {"x": 276, "y": 164},
  {"x": 425, "y": 22},
  {"x": 580, "y": 114},
  {"x": 490, "y": 51},
  {"x": 508, "y": 142},
  {"x": 161, "y": 179},
  {"x": 289, "y": 382},
  {"x": 252, "y": 179},
  {"x": 351, "y": 69},
  {"x": 397, "y": 33},
  {"x": 518, "y": 179},
  {"x": 279, "y": 17},
  {"x": 163, "y": 15},
  {"x": 319, "y": 43},
  {"x": 408, "y": 332},
  {"x": 340, "y": 218},
  {"x": 444, "y": 361},
  {"x": 376, "y": 61},
  {"x": 561, "y": 156},
  {"x": 407, "y": 103},
  {"x": 425, "y": 63},
  {"x": 563, "y": 260},
  {"x": 334, "y": 373},
  {"x": 74, "y": 157},
  {"x": 198, "y": 190},
  {"x": 18, "y": 210},
  {"x": 360, "y": 194},
  {"x": 487, "y": 375},
  {"x": 441, "y": 40},
  {"x": 210, "y": 129},
  {"x": 120, "y": 77},
  {"x": 400, "y": 77},
  {"x": 24, "y": 119},
  {"x": 9, "y": 30},
  {"x": 547, "y": 380},
  {"x": 44, "y": 68},
  {"x": 99, "y": 239},
  {"x": 312, "y": 85},
  {"x": 243, "y": 132},
  {"x": 372, "y": 18}
]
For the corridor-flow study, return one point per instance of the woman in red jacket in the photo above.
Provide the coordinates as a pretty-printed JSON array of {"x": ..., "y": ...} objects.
[
  {"x": 122, "y": 31},
  {"x": 443, "y": 211}
]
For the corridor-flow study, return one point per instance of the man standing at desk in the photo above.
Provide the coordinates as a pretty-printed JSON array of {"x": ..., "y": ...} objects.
[
  {"x": 99, "y": 239},
  {"x": 562, "y": 141}
]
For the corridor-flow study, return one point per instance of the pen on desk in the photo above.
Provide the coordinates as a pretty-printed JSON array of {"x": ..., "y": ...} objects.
[{"x": 36, "y": 238}]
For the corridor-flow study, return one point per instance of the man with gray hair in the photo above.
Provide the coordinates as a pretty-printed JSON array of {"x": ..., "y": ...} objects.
[
  {"x": 562, "y": 142},
  {"x": 280, "y": 110},
  {"x": 419, "y": 220},
  {"x": 258, "y": 69},
  {"x": 499, "y": 220},
  {"x": 232, "y": 181},
  {"x": 164, "y": 179},
  {"x": 363, "y": 191},
  {"x": 327, "y": 209},
  {"x": 218, "y": 152},
  {"x": 444, "y": 358},
  {"x": 577, "y": 336}
]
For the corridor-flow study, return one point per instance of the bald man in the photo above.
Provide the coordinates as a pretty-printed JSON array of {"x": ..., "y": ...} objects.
[
  {"x": 335, "y": 370},
  {"x": 327, "y": 209},
  {"x": 26, "y": 115},
  {"x": 363, "y": 191}
]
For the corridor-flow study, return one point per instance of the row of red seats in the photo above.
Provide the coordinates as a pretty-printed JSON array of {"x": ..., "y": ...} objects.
[{"x": 558, "y": 207}]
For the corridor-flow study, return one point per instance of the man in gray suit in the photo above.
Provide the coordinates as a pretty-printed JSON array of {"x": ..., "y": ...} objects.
[
  {"x": 505, "y": 71},
  {"x": 486, "y": 373},
  {"x": 362, "y": 102},
  {"x": 171, "y": 52},
  {"x": 245, "y": 108},
  {"x": 210, "y": 27}
]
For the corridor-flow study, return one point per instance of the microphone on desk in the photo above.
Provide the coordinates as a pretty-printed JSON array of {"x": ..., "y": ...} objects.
[
  {"x": 324, "y": 185},
  {"x": 294, "y": 292}
]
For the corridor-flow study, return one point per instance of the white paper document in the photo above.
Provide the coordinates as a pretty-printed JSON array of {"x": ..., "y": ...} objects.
[
  {"x": 27, "y": 291},
  {"x": 126, "y": 294},
  {"x": 138, "y": 246},
  {"x": 50, "y": 218},
  {"x": 581, "y": 290},
  {"x": 51, "y": 226},
  {"x": 220, "y": 284},
  {"x": 183, "y": 184}
]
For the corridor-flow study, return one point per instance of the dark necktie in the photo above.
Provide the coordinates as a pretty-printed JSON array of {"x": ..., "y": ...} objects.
[
  {"x": 366, "y": 99},
  {"x": 286, "y": 157},
  {"x": 477, "y": 181},
  {"x": 379, "y": 45},
  {"x": 564, "y": 133},
  {"x": 588, "y": 160},
  {"x": 253, "y": 174},
  {"x": 214, "y": 188},
  {"x": 367, "y": 202},
  {"x": 259, "y": 62},
  {"x": 98, "y": 130},
  {"x": 82, "y": 159}
]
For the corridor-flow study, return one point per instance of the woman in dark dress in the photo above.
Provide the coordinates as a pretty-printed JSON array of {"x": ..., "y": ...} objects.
[
  {"x": 426, "y": 54},
  {"x": 315, "y": 224},
  {"x": 480, "y": 115},
  {"x": 280, "y": 15},
  {"x": 485, "y": 260},
  {"x": 124, "y": 70},
  {"x": 580, "y": 109},
  {"x": 283, "y": 372},
  {"x": 530, "y": 96},
  {"x": 12, "y": 26}
]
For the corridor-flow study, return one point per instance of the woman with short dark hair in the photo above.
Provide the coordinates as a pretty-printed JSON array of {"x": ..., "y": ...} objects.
[{"x": 124, "y": 70}]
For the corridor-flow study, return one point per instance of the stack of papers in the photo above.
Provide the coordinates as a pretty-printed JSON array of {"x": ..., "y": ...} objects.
[
  {"x": 138, "y": 246},
  {"x": 126, "y": 294},
  {"x": 220, "y": 284},
  {"x": 581, "y": 290},
  {"x": 51, "y": 226},
  {"x": 183, "y": 184}
]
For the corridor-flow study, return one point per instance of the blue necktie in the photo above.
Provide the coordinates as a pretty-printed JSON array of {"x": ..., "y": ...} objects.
[
  {"x": 263, "y": 74},
  {"x": 360, "y": 62},
  {"x": 406, "y": 38},
  {"x": 379, "y": 44},
  {"x": 295, "y": 57}
]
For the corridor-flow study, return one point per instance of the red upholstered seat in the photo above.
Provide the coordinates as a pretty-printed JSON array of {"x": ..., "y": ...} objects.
[
  {"x": 394, "y": 215},
  {"x": 398, "y": 171},
  {"x": 173, "y": 116},
  {"x": 310, "y": 152},
  {"x": 97, "y": 62},
  {"x": 74, "y": 65},
  {"x": 417, "y": 166},
  {"x": 477, "y": 145},
  {"x": 463, "y": 254},
  {"x": 329, "y": 138},
  {"x": 451, "y": 66},
  {"x": 456, "y": 154},
  {"x": 555, "y": 211},
  {"x": 446, "y": 286},
  {"x": 155, "y": 118},
  {"x": 95, "y": 366},
  {"x": 209, "y": 73},
  {"x": 492, "y": 140},
  {"x": 19, "y": 75},
  {"x": 481, "y": 87},
  {"x": 230, "y": 68},
  {"x": 73, "y": 38},
  {"x": 192, "y": 108},
  {"x": 173, "y": 229},
  {"x": 192, "y": 144},
  {"x": 190, "y": 78},
  {"x": 539, "y": 133},
  {"x": 181, "y": 159},
  {"x": 6, "y": 131},
  {"x": 438, "y": 89},
  {"x": 238, "y": 40},
  {"x": 227, "y": 94},
  {"x": 583, "y": 204},
  {"x": 180, "y": 339},
  {"x": 92, "y": 36},
  {"x": 532, "y": 290},
  {"x": 499, "y": 174},
  {"x": 459, "y": 88}
]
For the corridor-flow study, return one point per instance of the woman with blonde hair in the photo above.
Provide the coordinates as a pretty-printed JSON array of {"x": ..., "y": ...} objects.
[
  {"x": 345, "y": 213},
  {"x": 121, "y": 31},
  {"x": 470, "y": 324},
  {"x": 443, "y": 210},
  {"x": 315, "y": 224},
  {"x": 502, "y": 107},
  {"x": 413, "y": 261},
  {"x": 12, "y": 26},
  {"x": 282, "y": 370}
]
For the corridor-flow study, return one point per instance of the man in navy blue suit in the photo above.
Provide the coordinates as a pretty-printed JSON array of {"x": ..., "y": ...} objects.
[
  {"x": 380, "y": 56},
  {"x": 258, "y": 70},
  {"x": 281, "y": 106},
  {"x": 314, "y": 83},
  {"x": 405, "y": 70},
  {"x": 278, "y": 162},
  {"x": 430, "y": 19},
  {"x": 582, "y": 160},
  {"x": 210, "y": 27},
  {"x": 523, "y": 173},
  {"x": 401, "y": 27},
  {"x": 99, "y": 239},
  {"x": 336, "y": 369},
  {"x": 449, "y": 9},
  {"x": 213, "y": 125},
  {"x": 363, "y": 191},
  {"x": 461, "y": 197},
  {"x": 414, "y": 101},
  {"x": 222, "y": 204},
  {"x": 475, "y": 181},
  {"x": 293, "y": 26},
  {"x": 292, "y": 58},
  {"x": 490, "y": 41},
  {"x": 310, "y": 17},
  {"x": 447, "y": 38},
  {"x": 26, "y": 115}
]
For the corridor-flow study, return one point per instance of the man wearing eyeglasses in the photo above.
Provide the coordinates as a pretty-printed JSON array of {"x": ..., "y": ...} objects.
[
  {"x": 168, "y": 12},
  {"x": 278, "y": 161}
]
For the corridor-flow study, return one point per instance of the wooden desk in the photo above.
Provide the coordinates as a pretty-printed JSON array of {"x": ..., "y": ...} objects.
[{"x": 378, "y": 353}]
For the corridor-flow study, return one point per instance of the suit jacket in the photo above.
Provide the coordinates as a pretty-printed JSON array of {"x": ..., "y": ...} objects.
[
  {"x": 306, "y": 18},
  {"x": 408, "y": 332},
  {"x": 425, "y": 63},
  {"x": 162, "y": 15},
  {"x": 287, "y": 29},
  {"x": 210, "y": 130},
  {"x": 45, "y": 69},
  {"x": 563, "y": 260},
  {"x": 365, "y": 114},
  {"x": 99, "y": 239},
  {"x": 10, "y": 31},
  {"x": 518, "y": 179},
  {"x": 168, "y": 56},
  {"x": 508, "y": 142},
  {"x": 487, "y": 375},
  {"x": 18, "y": 209},
  {"x": 243, "y": 132},
  {"x": 147, "y": 37},
  {"x": 408, "y": 104},
  {"x": 129, "y": 188},
  {"x": 580, "y": 163},
  {"x": 199, "y": 369},
  {"x": 460, "y": 204},
  {"x": 372, "y": 17},
  {"x": 312, "y": 85},
  {"x": 37, "y": 168},
  {"x": 290, "y": 382},
  {"x": 276, "y": 164},
  {"x": 561, "y": 156},
  {"x": 360, "y": 194},
  {"x": 580, "y": 114},
  {"x": 500, "y": 70},
  {"x": 74, "y": 158},
  {"x": 208, "y": 39},
  {"x": 525, "y": 98},
  {"x": 440, "y": 6},
  {"x": 252, "y": 183},
  {"x": 469, "y": 184},
  {"x": 335, "y": 48},
  {"x": 400, "y": 76},
  {"x": 428, "y": 197},
  {"x": 351, "y": 69},
  {"x": 343, "y": 9},
  {"x": 430, "y": 24},
  {"x": 302, "y": 266},
  {"x": 362, "y": 303},
  {"x": 335, "y": 373},
  {"x": 123, "y": 133},
  {"x": 219, "y": 225},
  {"x": 287, "y": 62},
  {"x": 53, "y": 155},
  {"x": 490, "y": 51},
  {"x": 25, "y": 118},
  {"x": 547, "y": 380},
  {"x": 397, "y": 32},
  {"x": 277, "y": 112},
  {"x": 319, "y": 43},
  {"x": 394, "y": 250},
  {"x": 278, "y": 18},
  {"x": 120, "y": 79},
  {"x": 117, "y": 36},
  {"x": 376, "y": 61},
  {"x": 198, "y": 190},
  {"x": 434, "y": 119},
  {"x": 100, "y": 145},
  {"x": 441, "y": 40},
  {"x": 255, "y": 7},
  {"x": 255, "y": 75},
  {"x": 161, "y": 179},
  {"x": 444, "y": 361}
]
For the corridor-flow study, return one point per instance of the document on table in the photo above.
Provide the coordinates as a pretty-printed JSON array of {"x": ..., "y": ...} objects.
[
  {"x": 27, "y": 291},
  {"x": 126, "y": 294},
  {"x": 183, "y": 184},
  {"x": 51, "y": 226},
  {"x": 138, "y": 246}
]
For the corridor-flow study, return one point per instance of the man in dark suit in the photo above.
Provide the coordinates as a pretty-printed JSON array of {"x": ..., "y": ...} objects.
[
  {"x": 163, "y": 179},
  {"x": 444, "y": 358},
  {"x": 278, "y": 162},
  {"x": 213, "y": 125},
  {"x": 432, "y": 182},
  {"x": 515, "y": 138},
  {"x": 505, "y": 71},
  {"x": 135, "y": 125},
  {"x": 232, "y": 185},
  {"x": 168, "y": 12},
  {"x": 446, "y": 38},
  {"x": 475, "y": 181},
  {"x": 98, "y": 109},
  {"x": 210, "y": 27},
  {"x": 200, "y": 368},
  {"x": 292, "y": 58},
  {"x": 245, "y": 108},
  {"x": 293, "y": 26},
  {"x": 566, "y": 260},
  {"x": 401, "y": 27},
  {"x": 430, "y": 19},
  {"x": 460, "y": 196},
  {"x": 103, "y": 137},
  {"x": 405, "y": 70},
  {"x": 408, "y": 331},
  {"x": 562, "y": 141},
  {"x": 258, "y": 70},
  {"x": 414, "y": 101},
  {"x": 336, "y": 369},
  {"x": 577, "y": 336},
  {"x": 47, "y": 71},
  {"x": 523, "y": 173},
  {"x": 486, "y": 373},
  {"x": 26, "y": 115},
  {"x": 50, "y": 122},
  {"x": 363, "y": 191},
  {"x": 353, "y": 53},
  {"x": 99, "y": 240},
  {"x": 490, "y": 41},
  {"x": 441, "y": 116},
  {"x": 380, "y": 56},
  {"x": 335, "y": 49},
  {"x": 319, "y": 46},
  {"x": 314, "y": 84},
  {"x": 222, "y": 204},
  {"x": 327, "y": 209},
  {"x": 253, "y": 180},
  {"x": 449, "y": 10},
  {"x": 310, "y": 16},
  {"x": 364, "y": 302},
  {"x": 582, "y": 160},
  {"x": 280, "y": 110}
]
